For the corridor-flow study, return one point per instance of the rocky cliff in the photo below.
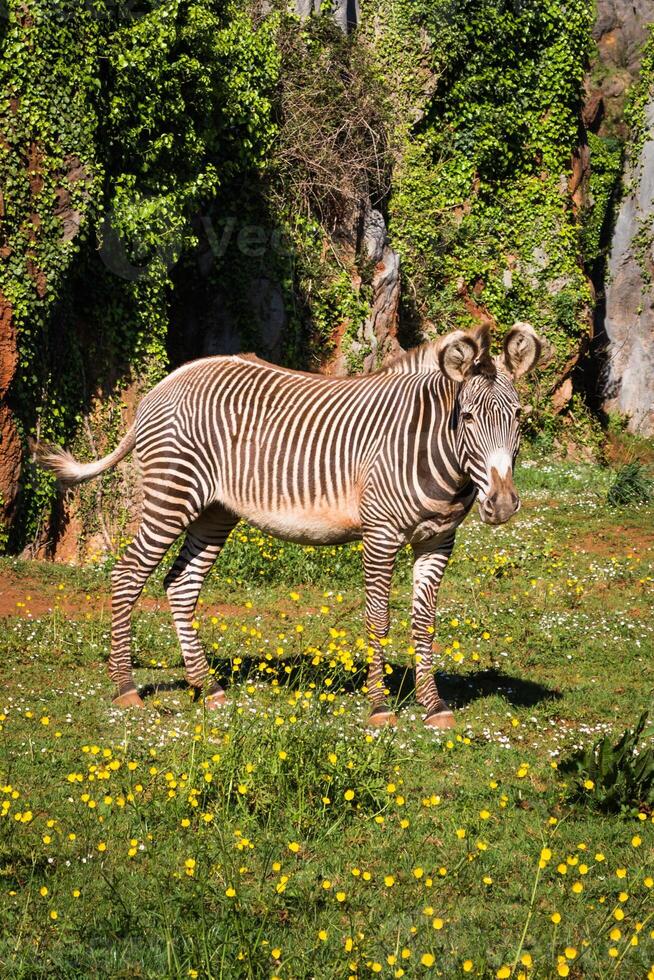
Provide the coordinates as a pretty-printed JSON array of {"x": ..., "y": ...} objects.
[
  {"x": 629, "y": 319},
  {"x": 626, "y": 77}
]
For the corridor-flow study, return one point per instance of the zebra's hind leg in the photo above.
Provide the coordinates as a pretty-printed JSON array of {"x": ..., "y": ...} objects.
[
  {"x": 379, "y": 553},
  {"x": 204, "y": 540},
  {"x": 128, "y": 577}
]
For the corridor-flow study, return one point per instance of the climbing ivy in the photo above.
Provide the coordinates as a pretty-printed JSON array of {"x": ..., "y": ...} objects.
[
  {"x": 606, "y": 154},
  {"x": 479, "y": 209},
  {"x": 639, "y": 98},
  {"x": 48, "y": 118},
  {"x": 120, "y": 121},
  {"x": 165, "y": 162},
  {"x": 638, "y": 115}
]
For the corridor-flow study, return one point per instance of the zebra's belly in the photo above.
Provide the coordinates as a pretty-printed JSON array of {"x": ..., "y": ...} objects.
[{"x": 319, "y": 524}]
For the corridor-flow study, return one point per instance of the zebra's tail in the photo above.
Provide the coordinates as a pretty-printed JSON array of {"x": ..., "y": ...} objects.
[{"x": 66, "y": 468}]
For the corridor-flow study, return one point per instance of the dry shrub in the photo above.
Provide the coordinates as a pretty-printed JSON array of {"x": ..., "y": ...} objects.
[{"x": 333, "y": 150}]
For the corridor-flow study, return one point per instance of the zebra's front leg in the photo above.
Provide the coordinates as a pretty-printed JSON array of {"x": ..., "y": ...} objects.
[
  {"x": 379, "y": 553},
  {"x": 430, "y": 561},
  {"x": 202, "y": 545}
]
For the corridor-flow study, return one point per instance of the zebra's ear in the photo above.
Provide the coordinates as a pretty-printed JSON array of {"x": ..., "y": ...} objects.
[
  {"x": 523, "y": 350},
  {"x": 457, "y": 355}
]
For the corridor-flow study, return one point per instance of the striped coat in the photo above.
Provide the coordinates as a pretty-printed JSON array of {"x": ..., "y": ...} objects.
[{"x": 393, "y": 458}]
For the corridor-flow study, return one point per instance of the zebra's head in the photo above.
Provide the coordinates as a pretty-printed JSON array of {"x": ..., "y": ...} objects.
[{"x": 487, "y": 415}]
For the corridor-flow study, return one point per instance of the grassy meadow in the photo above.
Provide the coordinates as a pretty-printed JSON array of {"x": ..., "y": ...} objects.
[{"x": 280, "y": 837}]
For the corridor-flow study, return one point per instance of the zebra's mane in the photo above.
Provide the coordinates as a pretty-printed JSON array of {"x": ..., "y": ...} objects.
[
  {"x": 423, "y": 359},
  {"x": 418, "y": 359}
]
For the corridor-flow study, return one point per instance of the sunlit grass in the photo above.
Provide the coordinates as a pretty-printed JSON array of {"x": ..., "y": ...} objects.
[{"x": 281, "y": 837}]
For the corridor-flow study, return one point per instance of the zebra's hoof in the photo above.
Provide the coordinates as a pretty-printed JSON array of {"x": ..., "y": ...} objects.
[
  {"x": 131, "y": 699},
  {"x": 378, "y": 719},
  {"x": 440, "y": 719},
  {"x": 216, "y": 700}
]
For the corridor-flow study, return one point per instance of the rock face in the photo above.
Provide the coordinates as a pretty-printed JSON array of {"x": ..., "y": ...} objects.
[
  {"x": 344, "y": 12},
  {"x": 621, "y": 31},
  {"x": 380, "y": 328},
  {"x": 629, "y": 320},
  {"x": 376, "y": 339}
]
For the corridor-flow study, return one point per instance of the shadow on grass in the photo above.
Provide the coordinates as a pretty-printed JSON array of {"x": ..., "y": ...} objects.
[
  {"x": 161, "y": 687},
  {"x": 457, "y": 689},
  {"x": 462, "y": 689}
]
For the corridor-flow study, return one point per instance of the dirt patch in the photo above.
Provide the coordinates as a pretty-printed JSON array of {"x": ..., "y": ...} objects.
[
  {"x": 30, "y": 599},
  {"x": 618, "y": 541},
  {"x": 619, "y": 451},
  {"x": 528, "y": 504}
]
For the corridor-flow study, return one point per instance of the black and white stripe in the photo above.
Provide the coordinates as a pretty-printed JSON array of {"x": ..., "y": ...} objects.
[{"x": 391, "y": 458}]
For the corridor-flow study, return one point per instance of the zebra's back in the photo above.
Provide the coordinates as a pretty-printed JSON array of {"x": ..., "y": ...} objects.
[{"x": 288, "y": 451}]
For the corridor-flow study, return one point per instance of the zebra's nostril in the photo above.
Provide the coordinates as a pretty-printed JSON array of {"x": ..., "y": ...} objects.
[{"x": 515, "y": 499}]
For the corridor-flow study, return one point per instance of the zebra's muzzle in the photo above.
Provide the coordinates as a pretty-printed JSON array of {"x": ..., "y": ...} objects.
[
  {"x": 501, "y": 502},
  {"x": 496, "y": 512}
]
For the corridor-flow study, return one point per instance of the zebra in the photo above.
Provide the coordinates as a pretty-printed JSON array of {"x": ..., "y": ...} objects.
[{"x": 393, "y": 458}]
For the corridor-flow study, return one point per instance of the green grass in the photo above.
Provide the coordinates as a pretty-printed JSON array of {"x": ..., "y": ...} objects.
[{"x": 160, "y": 839}]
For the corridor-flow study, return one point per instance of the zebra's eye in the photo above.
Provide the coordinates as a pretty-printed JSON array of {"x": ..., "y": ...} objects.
[
  {"x": 466, "y": 416},
  {"x": 518, "y": 414}
]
